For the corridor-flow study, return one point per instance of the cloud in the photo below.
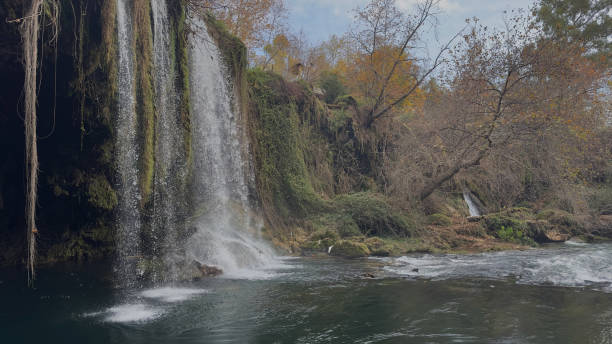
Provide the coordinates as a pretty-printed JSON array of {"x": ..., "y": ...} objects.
[
  {"x": 322, "y": 18},
  {"x": 337, "y": 7},
  {"x": 345, "y": 7},
  {"x": 445, "y": 5}
]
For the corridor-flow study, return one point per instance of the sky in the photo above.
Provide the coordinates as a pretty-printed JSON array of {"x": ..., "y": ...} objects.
[{"x": 319, "y": 19}]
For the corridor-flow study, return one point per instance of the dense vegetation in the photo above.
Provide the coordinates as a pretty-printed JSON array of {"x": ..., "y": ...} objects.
[{"x": 356, "y": 144}]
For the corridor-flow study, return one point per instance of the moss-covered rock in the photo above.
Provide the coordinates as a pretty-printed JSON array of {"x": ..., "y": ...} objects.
[
  {"x": 557, "y": 217},
  {"x": 512, "y": 226},
  {"x": 100, "y": 193},
  {"x": 496, "y": 221},
  {"x": 86, "y": 245},
  {"x": 350, "y": 249},
  {"x": 145, "y": 108}
]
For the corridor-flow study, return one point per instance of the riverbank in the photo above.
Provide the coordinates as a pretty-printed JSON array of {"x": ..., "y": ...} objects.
[{"x": 511, "y": 229}]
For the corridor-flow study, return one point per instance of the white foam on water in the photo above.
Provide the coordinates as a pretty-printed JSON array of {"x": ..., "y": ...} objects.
[
  {"x": 251, "y": 274},
  {"x": 568, "y": 266},
  {"x": 575, "y": 243},
  {"x": 92, "y": 314},
  {"x": 142, "y": 312},
  {"x": 571, "y": 270},
  {"x": 130, "y": 313},
  {"x": 274, "y": 268},
  {"x": 169, "y": 294}
]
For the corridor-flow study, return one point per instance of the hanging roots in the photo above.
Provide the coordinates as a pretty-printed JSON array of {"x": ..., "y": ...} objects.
[{"x": 30, "y": 27}]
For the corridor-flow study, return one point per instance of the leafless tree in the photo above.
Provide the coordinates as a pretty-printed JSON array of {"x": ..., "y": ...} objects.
[{"x": 383, "y": 32}]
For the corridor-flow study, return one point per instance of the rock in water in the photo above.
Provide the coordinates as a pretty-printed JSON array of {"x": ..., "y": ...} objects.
[
  {"x": 210, "y": 271},
  {"x": 196, "y": 271},
  {"x": 556, "y": 236}
]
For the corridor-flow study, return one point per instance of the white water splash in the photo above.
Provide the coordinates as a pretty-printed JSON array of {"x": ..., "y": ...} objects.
[
  {"x": 132, "y": 313},
  {"x": 572, "y": 242},
  {"x": 583, "y": 266},
  {"x": 146, "y": 306},
  {"x": 226, "y": 235},
  {"x": 169, "y": 294}
]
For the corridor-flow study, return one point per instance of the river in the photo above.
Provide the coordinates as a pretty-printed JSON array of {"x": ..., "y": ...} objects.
[{"x": 556, "y": 294}]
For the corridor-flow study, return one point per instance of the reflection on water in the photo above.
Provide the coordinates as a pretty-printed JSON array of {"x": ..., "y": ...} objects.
[{"x": 319, "y": 300}]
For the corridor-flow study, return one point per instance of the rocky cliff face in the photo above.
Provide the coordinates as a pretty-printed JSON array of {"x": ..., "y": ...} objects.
[{"x": 77, "y": 107}]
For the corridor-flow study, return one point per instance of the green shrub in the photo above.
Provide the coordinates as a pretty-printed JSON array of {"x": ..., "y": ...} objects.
[
  {"x": 332, "y": 86},
  {"x": 328, "y": 236},
  {"x": 321, "y": 240},
  {"x": 439, "y": 220},
  {"x": 509, "y": 234},
  {"x": 338, "y": 119},
  {"x": 510, "y": 229},
  {"x": 514, "y": 235},
  {"x": 378, "y": 247},
  {"x": 601, "y": 201},
  {"x": 346, "y": 100},
  {"x": 558, "y": 217},
  {"x": 283, "y": 178},
  {"x": 495, "y": 222},
  {"x": 341, "y": 223},
  {"x": 350, "y": 249},
  {"x": 373, "y": 215}
]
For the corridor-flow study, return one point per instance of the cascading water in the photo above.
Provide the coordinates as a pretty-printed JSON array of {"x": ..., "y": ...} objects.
[
  {"x": 129, "y": 223},
  {"x": 474, "y": 211},
  {"x": 223, "y": 234},
  {"x": 222, "y": 230},
  {"x": 169, "y": 150}
]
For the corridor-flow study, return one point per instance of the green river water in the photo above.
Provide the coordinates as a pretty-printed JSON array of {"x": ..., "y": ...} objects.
[{"x": 560, "y": 294}]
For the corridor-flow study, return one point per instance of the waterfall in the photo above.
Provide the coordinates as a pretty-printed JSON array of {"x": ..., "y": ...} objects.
[
  {"x": 169, "y": 149},
  {"x": 162, "y": 240},
  {"x": 224, "y": 236},
  {"x": 474, "y": 211},
  {"x": 126, "y": 155}
]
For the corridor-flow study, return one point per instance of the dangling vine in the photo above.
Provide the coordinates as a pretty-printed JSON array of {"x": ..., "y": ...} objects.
[{"x": 30, "y": 27}]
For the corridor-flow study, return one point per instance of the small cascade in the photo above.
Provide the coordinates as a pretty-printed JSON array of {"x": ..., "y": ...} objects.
[
  {"x": 474, "y": 210},
  {"x": 224, "y": 235},
  {"x": 169, "y": 150},
  {"x": 126, "y": 156}
]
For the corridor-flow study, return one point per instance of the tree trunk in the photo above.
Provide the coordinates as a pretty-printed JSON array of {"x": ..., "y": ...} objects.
[{"x": 436, "y": 183}]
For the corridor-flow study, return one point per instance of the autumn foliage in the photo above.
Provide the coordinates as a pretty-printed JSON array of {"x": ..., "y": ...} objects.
[{"x": 524, "y": 105}]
